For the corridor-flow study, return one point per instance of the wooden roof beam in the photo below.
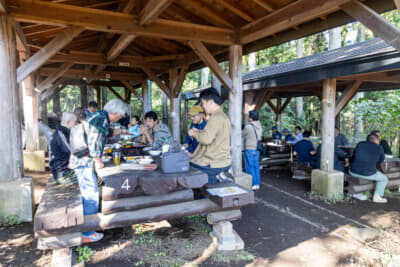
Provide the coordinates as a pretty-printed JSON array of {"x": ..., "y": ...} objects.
[
  {"x": 109, "y": 21},
  {"x": 82, "y": 74},
  {"x": 208, "y": 59},
  {"x": 22, "y": 44},
  {"x": 385, "y": 76},
  {"x": 51, "y": 78},
  {"x": 347, "y": 95},
  {"x": 180, "y": 79},
  {"x": 285, "y": 104},
  {"x": 372, "y": 20},
  {"x": 272, "y": 106},
  {"x": 264, "y": 4},
  {"x": 289, "y": 16},
  {"x": 265, "y": 96},
  {"x": 157, "y": 80},
  {"x": 47, "y": 93},
  {"x": 115, "y": 93},
  {"x": 133, "y": 90},
  {"x": 3, "y": 6},
  {"x": 49, "y": 50},
  {"x": 235, "y": 10},
  {"x": 152, "y": 10}
]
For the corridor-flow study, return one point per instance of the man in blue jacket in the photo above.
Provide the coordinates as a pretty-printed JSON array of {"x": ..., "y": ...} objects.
[{"x": 196, "y": 115}]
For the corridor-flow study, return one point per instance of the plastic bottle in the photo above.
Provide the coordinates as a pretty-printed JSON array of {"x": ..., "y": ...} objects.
[{"x": 165, "y": 146}]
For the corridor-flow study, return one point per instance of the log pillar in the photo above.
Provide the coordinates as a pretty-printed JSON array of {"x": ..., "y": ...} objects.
[
  {"x": 165, "y": 107},
  {"x": 185, "y": 117},
  {"x": 84, "y": 96},
  {"x": 90, "y": 93},
  {"x": 56, "y": 105},
  {"x": 103, "y": 96},
  {"x": 249, "y": 104},
  {"x": 43, "y": 112},
  {"x": 278, "y": 113},
  {"x": 175, "y": 106},
  {"x": 15, "y": 191},
  {"x": 146, "y": 93},
  {"x": 328, "y": 125},
  {"x": 235, "y": 107},
  {"x": 98, "y": 97}
]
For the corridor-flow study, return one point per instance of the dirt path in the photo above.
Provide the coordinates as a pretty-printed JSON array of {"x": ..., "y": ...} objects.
[{"x": 285, "y": 227}]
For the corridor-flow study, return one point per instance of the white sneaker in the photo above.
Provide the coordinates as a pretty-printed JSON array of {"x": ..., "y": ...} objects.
[
  {"x": 378, "y": 199},
  {"x": 359, "y": 196},
  {"x": 265, "y": 159},
  {"x": 255, "y": 187}
]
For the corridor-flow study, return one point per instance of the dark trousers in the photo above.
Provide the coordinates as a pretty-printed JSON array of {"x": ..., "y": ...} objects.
[{"x": 211, "y": 172}]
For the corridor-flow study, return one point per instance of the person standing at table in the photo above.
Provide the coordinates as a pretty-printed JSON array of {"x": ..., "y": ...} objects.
[
  {"x": 196, "y": 115},
  {"x": 252, "y": 134},
  {"x": 276, "y": 135},
  {"x": 340, "y": 139},
  {"x": 97, "y": 129},
  {"x": 304, "y": 150},
  {"x": 213, "y": 154},
  {"x": 366, "y": 156},
  {"x": 383, "y": 143},
  {"x": 155, "y": 132}
]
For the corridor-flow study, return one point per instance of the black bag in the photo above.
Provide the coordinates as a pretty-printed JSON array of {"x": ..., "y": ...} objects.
[
  {"x": 259, "y": 145},
  {"x": 78, "y": 141},
  {"x": 174, "y": 162}
]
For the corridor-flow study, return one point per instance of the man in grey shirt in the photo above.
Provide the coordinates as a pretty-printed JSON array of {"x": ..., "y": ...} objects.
[{"x": 155, "y": 132}]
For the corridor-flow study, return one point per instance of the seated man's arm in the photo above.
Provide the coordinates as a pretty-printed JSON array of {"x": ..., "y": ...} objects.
[
  {"x": 381, "y": 156},
  {"x": 341, "y": 154}
]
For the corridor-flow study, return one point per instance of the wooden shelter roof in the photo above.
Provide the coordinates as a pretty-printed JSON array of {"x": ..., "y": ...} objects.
[{"x": 132, "y": 39}]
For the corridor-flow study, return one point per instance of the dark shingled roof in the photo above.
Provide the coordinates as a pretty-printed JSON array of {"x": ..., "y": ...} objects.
[{"x": 350, "y": 52}]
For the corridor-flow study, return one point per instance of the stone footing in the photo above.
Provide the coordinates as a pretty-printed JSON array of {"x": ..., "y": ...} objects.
[
  {"x": 228, "y": 239},
  {"x": 34, "y": 161},
  {"x": 61, "y": 257},
  {"x": 329, "y": 184},
  {"x": 16, "y": 198},
  {"x": 245, "y": 180}
]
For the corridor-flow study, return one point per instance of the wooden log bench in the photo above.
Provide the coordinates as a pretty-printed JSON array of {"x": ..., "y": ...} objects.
[
  {"x": 390, "y": 168},
  {"x": 59, "y": 220},
  {"x": 279, "y": 157},
  {"x": 300, "y": 171}
]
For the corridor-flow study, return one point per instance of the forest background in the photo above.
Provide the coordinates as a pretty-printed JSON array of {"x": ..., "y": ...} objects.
[{"x": 366, "y": 112}]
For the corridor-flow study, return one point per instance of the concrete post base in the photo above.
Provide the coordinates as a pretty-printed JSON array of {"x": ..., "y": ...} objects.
[
  {"x": 329, "y": 184},
  {"x": 62, "y": 257},
  {"x": 245, "y": 180},
  {"x": 34, "y": 161},
  {"x": 228, "y": 239},
  {"x": 43, "y": 143},
  {"x": 16, "y": 198}
]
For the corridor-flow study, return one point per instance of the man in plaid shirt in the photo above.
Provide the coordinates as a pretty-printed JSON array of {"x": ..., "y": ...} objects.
[{"x": 97, "y": 128}]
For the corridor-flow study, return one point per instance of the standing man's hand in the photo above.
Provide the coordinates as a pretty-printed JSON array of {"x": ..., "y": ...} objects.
[
  {"x": 185, "y": 146},
  {"x": 193, "y": 132}
]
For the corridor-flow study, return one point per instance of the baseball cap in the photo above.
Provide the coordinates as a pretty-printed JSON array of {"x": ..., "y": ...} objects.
[{"x": 195, "y": 110}]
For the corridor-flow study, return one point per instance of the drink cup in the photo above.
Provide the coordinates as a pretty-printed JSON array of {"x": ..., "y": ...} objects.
[{"x": 116, "y": 155}]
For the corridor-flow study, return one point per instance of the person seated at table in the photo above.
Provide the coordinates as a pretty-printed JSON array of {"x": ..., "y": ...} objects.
[
  {"x": 155, "y": 133},
  {"x": 304, "y": 150},
  {"x": 92, "y": 107},
  {"x": 298, "y": 135},
  {"x": 213, "y": 154},
  {"x": 366, "y": 155},
  {"x": 97, "y": 128},
  {"x": 196, "y": 115},
  {"x": 338, "y": 154},
  {"x": 288, "y": 136},
  {"x": 60, "y": 151},
  {"x": 276, "y": 135},
  {"x": 383, "y": 143},
  {"x": 340, "y": 139},
  {"x": 133, "y": 127}
]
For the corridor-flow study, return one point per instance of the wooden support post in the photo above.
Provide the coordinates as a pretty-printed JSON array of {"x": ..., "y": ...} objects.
[
  {"x": 235, "y": 107},
  {"x": 43, "y": 111},
  {"x": 103, "y": 96},
  {"x": 249, "y": 104},
  {"x": 175, "y": 106},
  {"x": 328, "y": 125},
  {"x": 10, "y": 135},
  {"x": 185, "y": 117},
  {"x": 146, "y": 91},
  {"x": 91, "y": 90},
  {"x": 49, "y": 50},
  {"x": 372, "y": 20},
  {"x": 84, "y": 98},
  {"x": 56, "y": 105},
  {"x": 278, "y": 113},
  {"x": 165, "y": 107},
  {"x": 98, "y": 96}
]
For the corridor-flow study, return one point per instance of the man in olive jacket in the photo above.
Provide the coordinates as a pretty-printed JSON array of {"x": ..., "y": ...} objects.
[{"x": 213, "y": 154}]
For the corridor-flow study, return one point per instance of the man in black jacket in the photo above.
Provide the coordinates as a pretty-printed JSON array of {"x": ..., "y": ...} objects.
[
  {"x": 60, "y": 151},
  {"x": 383, "y": 143}
]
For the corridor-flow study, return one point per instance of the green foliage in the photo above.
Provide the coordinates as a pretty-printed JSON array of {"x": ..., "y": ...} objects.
[
  {"x": 84, "y": 253},
  {"x": 10, "y": 220}
]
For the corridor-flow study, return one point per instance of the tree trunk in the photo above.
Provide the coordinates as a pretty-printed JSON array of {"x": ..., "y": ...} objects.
[
  {"x": 104, "y": 92},
  {"x": 299, "y": 100},
  {"x": 252, "y": 61},
  {"x": 358, "y": 122},
  {"x": 84, "y": 96},
  {"x": 204, "y": 77}
]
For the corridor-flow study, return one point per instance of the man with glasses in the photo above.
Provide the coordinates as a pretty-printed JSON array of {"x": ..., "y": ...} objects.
[{"x": 196, "y": 115}]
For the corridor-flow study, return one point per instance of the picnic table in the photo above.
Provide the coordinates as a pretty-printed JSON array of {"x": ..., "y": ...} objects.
[{"x": 279, "y": 156}]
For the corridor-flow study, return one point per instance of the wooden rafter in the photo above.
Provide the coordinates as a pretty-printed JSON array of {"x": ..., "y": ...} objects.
[
  {"x": 285, "y": 104},
  {"x": 22, "y": 44},
  {"x": 272, "y": 106},
  {"x": 368, "y": 17},
  {"x": 208, "y": 59},
  {"x": 152, "y": 10},
  {"x": 109, "y": 21},
  {"x": 264, "y": 4},
  {"x": 47, "y": 93},
  {"x": 180, "y": 79},
  {"x": 347, "y": 95},
  {"x": 51, "y": 78},
  {"x": 235, "y": 10},
  {"x": 49, "y": 50},
  {"x": 262, "y": 98},
  {"x": 3, "y": 6},
  {"x": 284, "y": 18},
  {"x": 157, "y": 80},
  {"x": 133, "y": 90},
  {"x": 385, "y": 76},
  {"x": 115, "y": 93},
  {"x": 84, "y": 74}
]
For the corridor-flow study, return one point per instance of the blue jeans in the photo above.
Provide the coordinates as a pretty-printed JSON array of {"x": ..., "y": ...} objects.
[
  {"x": 251, "y": 162},
  {"x": 211, "y": 172},
  {"x": 380, "y": 178},
  {"x": 89, "y": 190}
]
